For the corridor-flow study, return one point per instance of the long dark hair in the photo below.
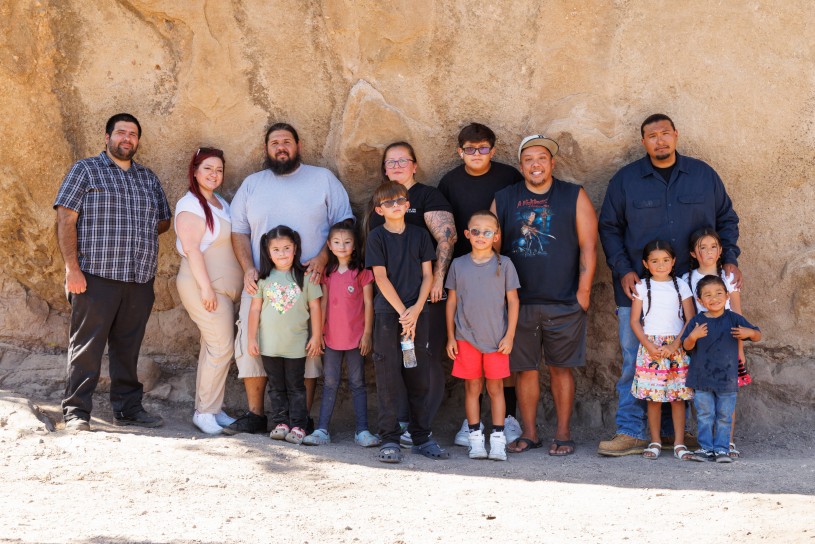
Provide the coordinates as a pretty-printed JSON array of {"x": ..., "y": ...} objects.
[
  {"x": 694, "y": 240},
  {"x": 298, "y": 271},
  {"x": 200, "y": 156},
  {"x": 660, "y": 245},
  {"x": 357, "y": 262}
]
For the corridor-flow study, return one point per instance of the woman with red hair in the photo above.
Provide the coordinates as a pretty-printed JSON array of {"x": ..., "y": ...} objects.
[{"x": 209, "y": 282}]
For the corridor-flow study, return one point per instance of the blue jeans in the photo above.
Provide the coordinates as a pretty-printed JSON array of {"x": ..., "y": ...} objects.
[
  {"x": 632, "y": 418},
  {"x": 332, "y": 370},
  {"x": 714, "y": 412}
]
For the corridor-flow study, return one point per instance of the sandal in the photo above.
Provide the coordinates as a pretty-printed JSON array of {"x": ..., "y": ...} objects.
[
  {"x": 431, "y": 450},
  {"x": 279, "y": 432},
  {"x": 524, "y": 444},
  {"x": 652, "y": 451},
  {"x": 557, "y": 444},
  {"x": 320, "y": 437},
  {"x": 296, "y": 435},
  {"x": 390, "y": 453},
  {"x": 734, "y": 453},
  {"x": 682, "y": 453}
]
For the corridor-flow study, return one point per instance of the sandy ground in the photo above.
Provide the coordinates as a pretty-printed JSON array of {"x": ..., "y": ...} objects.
[{"x": 174, "y": 485}]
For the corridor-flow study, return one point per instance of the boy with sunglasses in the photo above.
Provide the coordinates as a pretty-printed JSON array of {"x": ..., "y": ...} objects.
[
  {"x": 469, "y": 187},
  {"x": 400, "y": 256},
  {"x": 482, "y": 313}
]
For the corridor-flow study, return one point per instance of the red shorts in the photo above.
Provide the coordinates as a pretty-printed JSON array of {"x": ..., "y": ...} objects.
[{"x": 471, "y": 364}]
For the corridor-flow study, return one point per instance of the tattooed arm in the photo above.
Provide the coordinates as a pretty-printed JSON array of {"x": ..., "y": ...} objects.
[{"x": 443, "y": 229}]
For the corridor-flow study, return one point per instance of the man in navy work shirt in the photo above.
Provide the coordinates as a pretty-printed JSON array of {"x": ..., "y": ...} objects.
[
  {"x": 110, "y": 212},
  {"x": 667, "y": 196}
]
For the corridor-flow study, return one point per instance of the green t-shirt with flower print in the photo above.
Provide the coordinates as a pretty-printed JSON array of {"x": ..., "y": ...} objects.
[{"x": 284, "y": 316}]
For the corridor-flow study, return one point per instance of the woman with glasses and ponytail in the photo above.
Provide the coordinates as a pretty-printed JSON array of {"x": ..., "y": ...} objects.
[
  {"x": 430, "y": 211},
  {"x": 209, "y": 282}
]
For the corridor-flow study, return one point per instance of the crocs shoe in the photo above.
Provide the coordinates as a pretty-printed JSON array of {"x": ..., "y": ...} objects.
[
  {"x": 431, "y": 450},
  {"x": 512, "y": 429},
  {"x": 296, "y": 436},
  {"x": 280, "y": 431},
  {"x": 320, "y": 437},
  {"x": 366, "y": 439},
  {"x": 463, "y": 434}
]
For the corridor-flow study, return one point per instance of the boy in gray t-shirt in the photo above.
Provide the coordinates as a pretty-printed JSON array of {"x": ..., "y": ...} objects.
[{"x": 482, "y": 313}]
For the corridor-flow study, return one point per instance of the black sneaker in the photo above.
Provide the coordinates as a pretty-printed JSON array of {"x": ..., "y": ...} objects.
[
  {"x": 142, "y": 418},
  {"x": 704, "y": 455},
  {"x": 247, "y": 423}
]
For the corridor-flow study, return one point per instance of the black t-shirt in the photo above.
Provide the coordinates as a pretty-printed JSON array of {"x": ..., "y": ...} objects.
[
  {"x": 402, "y": 256},
  {"x": 540, "y": 236},
  {"x": 423, "y": 198},
  {"x": 665, "y": 172},
  {"x": 468, "y": 194}
]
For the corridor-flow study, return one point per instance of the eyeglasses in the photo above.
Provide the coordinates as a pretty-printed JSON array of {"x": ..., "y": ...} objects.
[
  {"x": 210, "y": 151},
  {"x": 392, "y": 163},
  {"x": 481, "y": 150},
  {"x": 485, "y": 233},
  {"x": 391, "y": 203}
]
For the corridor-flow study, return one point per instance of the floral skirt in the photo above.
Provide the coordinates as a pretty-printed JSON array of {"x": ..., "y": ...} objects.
[{"x": 661, "y": 380}]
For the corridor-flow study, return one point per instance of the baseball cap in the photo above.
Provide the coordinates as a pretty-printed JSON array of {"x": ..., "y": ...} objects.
[{"x": 538, "y": 139}]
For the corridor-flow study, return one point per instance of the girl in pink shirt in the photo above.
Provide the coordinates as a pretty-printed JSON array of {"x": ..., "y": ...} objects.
[{"x": 348, "y": 295}]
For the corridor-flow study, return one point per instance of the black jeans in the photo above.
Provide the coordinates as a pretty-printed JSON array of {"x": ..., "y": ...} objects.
[
  {"x": 438, "y": 343},
  {"x": 112, "y": 313},
  {"x": 392, "y": 376},
  {"x": 287, "y": 390}
]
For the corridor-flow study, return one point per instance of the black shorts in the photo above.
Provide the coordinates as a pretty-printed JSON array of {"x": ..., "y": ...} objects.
[{"x": 553, "y": 332}]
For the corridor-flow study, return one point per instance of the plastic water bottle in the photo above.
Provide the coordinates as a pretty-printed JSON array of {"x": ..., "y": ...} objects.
[{"x": 408, "y": 352}]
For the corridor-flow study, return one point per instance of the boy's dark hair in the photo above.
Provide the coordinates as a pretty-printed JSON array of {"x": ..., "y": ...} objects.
[
  {"x": 476, "y": 132},
  {"x": 654, "y": 119},
  {"x": 282, "y": 126},
  {"x": 660, "y": 245},
  {"x": 298, "y": 271},
  {"x": 126, "y": 117},
  {"x": 387, "y": 191},
  {"x": 710, "y": 279},
  {"x": 357, "y": 262}
]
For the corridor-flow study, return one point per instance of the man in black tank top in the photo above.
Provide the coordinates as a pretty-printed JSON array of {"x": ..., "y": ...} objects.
[{"x": 549, "y": 231}]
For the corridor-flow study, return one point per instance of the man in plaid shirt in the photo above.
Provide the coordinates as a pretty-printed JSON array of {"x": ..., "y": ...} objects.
[{"x": 110, "y": 212}]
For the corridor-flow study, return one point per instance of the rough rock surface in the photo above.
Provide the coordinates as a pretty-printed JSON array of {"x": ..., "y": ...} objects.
[{"x": 354, "y": 76}]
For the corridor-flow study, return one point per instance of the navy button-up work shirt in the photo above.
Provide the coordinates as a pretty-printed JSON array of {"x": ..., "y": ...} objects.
[{"x": 640, "y": 206}]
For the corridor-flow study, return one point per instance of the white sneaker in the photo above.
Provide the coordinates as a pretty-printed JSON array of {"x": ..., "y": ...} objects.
[
  {"x": 406, "y": 441},
  {"x": 498, "y": 446},
  {"x": 463, "y": 435},
  {"x": 223, "y": 419},
  {"x": 512, "y": 429},
  {"x": 207, "y": 423},
  {"x": 476, "y": 442}
]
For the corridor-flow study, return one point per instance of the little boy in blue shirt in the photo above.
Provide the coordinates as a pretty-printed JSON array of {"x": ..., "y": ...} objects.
[{"x": 711, "y": 338}]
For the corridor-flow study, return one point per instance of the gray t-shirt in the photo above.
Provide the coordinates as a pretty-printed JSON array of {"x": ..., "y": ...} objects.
[
  {"x": 481, "y": 309},
  {"x": 309, "y": 200}
]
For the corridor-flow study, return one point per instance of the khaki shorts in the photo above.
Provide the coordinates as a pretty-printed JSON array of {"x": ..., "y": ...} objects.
[{"x": 250, "y": 366}]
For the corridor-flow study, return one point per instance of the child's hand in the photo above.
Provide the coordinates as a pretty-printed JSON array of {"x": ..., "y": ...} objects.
[
  {"x": 668, "y": 350},
  {"x": 254, "y": 349},
  {"x": 505, "y": 345},
  {"x": 408, "y": 320},
  {"x": 313, "y": 347},
  {"x": 452, "y": 348},
  {"x": 365, "y": 345},
  {"x": 654, "y": 351},
  {"x": 742, "y": 333},
  {"x": 699, "y": 331}
]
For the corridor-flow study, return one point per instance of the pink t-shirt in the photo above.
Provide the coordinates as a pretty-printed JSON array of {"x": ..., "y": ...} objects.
[{"x": 345, "y": 308}]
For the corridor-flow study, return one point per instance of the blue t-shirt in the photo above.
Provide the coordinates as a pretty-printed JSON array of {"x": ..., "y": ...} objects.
[{"x": 714, "y": 361}]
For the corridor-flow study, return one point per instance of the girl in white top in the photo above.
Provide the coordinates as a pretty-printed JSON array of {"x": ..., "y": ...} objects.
[
  {"x": 665, "y": 306},
  {"x": 209, "y": 282},
  {"x": 706, "y": 260}
]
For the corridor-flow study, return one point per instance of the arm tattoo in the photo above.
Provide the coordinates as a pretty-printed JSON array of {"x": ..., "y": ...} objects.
[{"x": 441, "y": 226}]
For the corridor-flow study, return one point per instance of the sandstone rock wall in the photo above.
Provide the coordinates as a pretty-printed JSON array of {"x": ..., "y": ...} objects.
[{"x": 352, "y": 76}]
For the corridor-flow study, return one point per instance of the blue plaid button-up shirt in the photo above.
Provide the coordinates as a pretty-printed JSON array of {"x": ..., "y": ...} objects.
[{"x": 119, "y": 211}]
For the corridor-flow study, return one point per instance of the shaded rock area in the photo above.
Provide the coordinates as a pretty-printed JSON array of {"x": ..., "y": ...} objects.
[{"x": 353, "y": 76}]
